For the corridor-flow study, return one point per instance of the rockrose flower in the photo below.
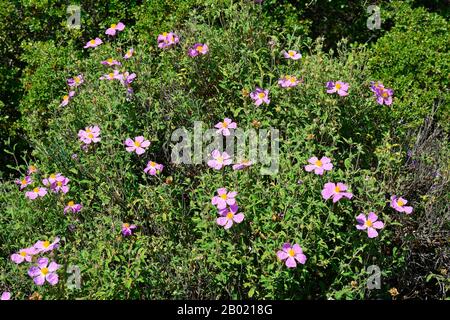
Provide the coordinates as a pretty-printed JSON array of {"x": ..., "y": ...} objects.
[
  {"x": 36, "y": 192},
  {"x": 288, "y": 82},
  {"x": 399, "y": 204},
  {"x": 242, "y": 165},
  {"x": 24, "y": 255},
  {"x": 292, "y": 255},
  {"x": 153, "y": 168},
  {"x": 89, "y": 135},
  {"x": 292, "y": 54},
  {"x": 44, "y": 271},
  {"x": 93, "y": 43},
  {"x": 32, "y": 169},
  {"x": 138, "y": 145},
  {"x": 198, "y": 49},
  {"x": 127, "y": 229},
  {"x": 224, "y": 198},
  {"x": 340, "y": 87},
  {"x": 319, "y": 166},
  {"x": 67, "y": 98},
  {"x": 219, "y": 160},
  {"x": 260, "y": 96},
  {"x": 369, "y": 223},
  {"x": 335, "y": 191},
  {"x": 23, "y": 183},
  {"x": 228, "y": 216},
  {"x": 115, "y": 75},
  {"x": 114, "y": 28},
  {"x": 129, "y": 54},
  {"x": 72, "y": 206},
  {"x": 75, "y": 81},
  {"x": 225, "y": 126},
  {"x": 45, "y": 246},
  {"x": 111, "y": 62},
  {"x": 383, "y": 95}
]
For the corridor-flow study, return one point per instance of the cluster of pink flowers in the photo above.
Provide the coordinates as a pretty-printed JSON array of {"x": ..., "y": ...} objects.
[
  {"x": 43, "y": 270},
  {"x": 167, "y": 40},
  {"x": 227, "y": 208},
  {"x": 73, "y": 83},
  {"x": 382, "y": 94},
  {"x": 57, "y": 183}
]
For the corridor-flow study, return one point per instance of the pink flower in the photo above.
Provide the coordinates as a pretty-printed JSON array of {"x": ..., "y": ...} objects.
[
  {"x": 72, "y": 206},
  {"x": 259, "y": 96},
  {"x": 45, "y": 246},
  {"x": 36, "y": 192},
  {"x": 292, "y": 54},
  {"x": 219, "y": 160},
  {"x": 114, "y": 28},
  {"x": 24, "y": 255},
  {"x": 23, "y": 183},
  {"x": 5, "y": 296},
  {"x": 32, "y": 169},
  {"x": 223, "y": 198},
  {"x": 138, "y": 145},
  {"x": 292, "y": 255},
  {"x": 228, "y": 216},
  {"x": 115, "y": 75},
  {"x": 129, "y": 54},
  {"x": 340, "y": 87},
  {"x": 111, "y": 62},
  {"x": 197, "y": 49},
  {"x": 153, "y": 168},
  {"x": 319, "y": 166},
  {"x": 67, "y": 98},
  {"x": 242, "y": 165},
  {"x": 127, "y": 78},
  {"x": 399, "y": 205},
  {"x": 127, "y": 229},
  {"x": 335, "y": 191},
  {"x": 44, "y": 272},
  {"x": 57, "y": 183},
  {"x": 225, "y": 126},
  {"x": 89, "y": 135},
  {"x": 167, "y": 39},
  {"x": 93, "y": 43},
  {"x": 75, "y": 81},
  {"x": 288, "y": 82},
  {"x": 370, "y": 223}
]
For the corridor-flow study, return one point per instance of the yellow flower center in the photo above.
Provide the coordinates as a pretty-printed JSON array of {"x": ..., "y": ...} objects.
[
  {"x": 113, "y": 25},
  {"x": 137, "y": 143},
  {"x": 291, "y": 252},
  {"x": 369, "y": 223},
  {"x": 220, "y": 159},
  {"x": 152, "y": 164},
  {"x": 261, "y": 95},
  {"x": 384, "y": 94},
  {"x": 292, "y": 79},
  {"x": 92, "y": 41},
  {"x": 23, "y": 253},
  {"x": 44, "y": 271},
  {"x": 111, "y": 75},
  {"x": 77, "y": 80},
  {"x": 224, "y": 124},
  {"x": 291, "y": 53},
  {"x": 32, "y": 168},
  {"x": 318, "y": 163},
  {"x": 126, "y": 225},
  {"x": 59, "y": 183},
  {"x": 71, "y": 203},
  {"x": 66, "y": 98},
  {"x": 52, "y": 176},
  {"x": 230, "y": 215},
  {"x": 338, "y": 85},
  {"x": 337, "y": 189},
  {"x": 24, "y": 181},
  {"x": 200, "y": 48},
  {"x": 164, "y": 34},
  {"x": 90, "y": 136},
  {"x": 400, "y": 203},
  {"x": 110, "y": 60},
  {"x": 36, "y": 190},
  {"x": 224, "y": 196},
  {"x": 46, "y": 244}
]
